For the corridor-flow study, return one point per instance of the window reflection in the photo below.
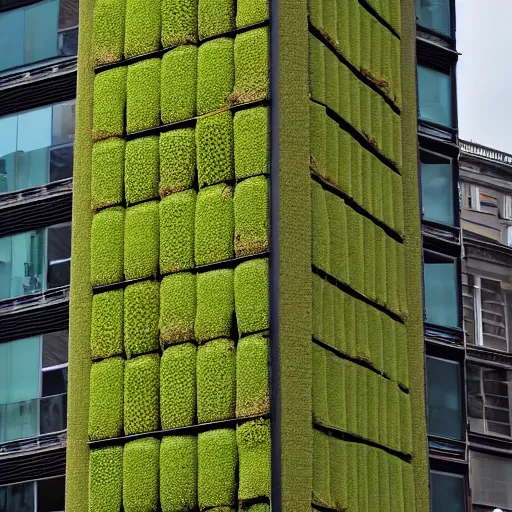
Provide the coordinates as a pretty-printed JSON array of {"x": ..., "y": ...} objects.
[
  {"x": 434, "y": 14},
  {"x": 434, "y": 95},
  {"x": 447, "y": 492}
]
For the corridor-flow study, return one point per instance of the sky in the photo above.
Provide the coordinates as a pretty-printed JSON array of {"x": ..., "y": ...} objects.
[{"x": 484, "y": 72}]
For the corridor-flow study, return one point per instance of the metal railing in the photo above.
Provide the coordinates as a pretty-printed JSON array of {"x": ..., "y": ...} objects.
[{"x": 473, "y": 148}]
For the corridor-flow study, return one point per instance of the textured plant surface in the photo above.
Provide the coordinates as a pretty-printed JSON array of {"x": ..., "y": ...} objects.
[
  {"x": 141, "y": 169},
  {"x": 251, "y": 11},
  {"x": 108, "y": 31},
  {"x": 141, "y": 244},
  {"x": 179, "y": 22},
  {"x": 320, "y": 239},
  {"x": 217, "y": 461},
  {"x": 320, "y": 406},
  {"x": 214, "y": 224},
  {"x": 140, "y": 475},
  {"x": 141, "y": 394},
  {"x": 321, "y": 476},
  {"x": 215, "y": 17},
  {"x": 143, "y": 95},
  {"x": 252, "y": 376},
  {"x": 177, "y": 308},
  {"x": 109, "y": 104},
  {"x": 106, "y": 399},
  {"x": 215, "y": 304},
  {"x": 216, "y": 381},
  {"x": 143, "y": 23},
  {"x": 107, "y": 173},
  {"x": 107, "y": 242},
  {"x": 105, "y": 479},
  {"x": 107, "y": 324},
  {"x": 178, "y": 386},
  {"x": 178, "y": 473},
  {"x": 141, "y": 314},
  {"x": 179, "y": 83},
  {"x": 215, "y": 74}
]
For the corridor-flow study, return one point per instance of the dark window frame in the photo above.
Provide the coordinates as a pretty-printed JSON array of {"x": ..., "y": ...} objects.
[
  {"x": 454, "y": 469},
  {"x": 451, "y": 37}
]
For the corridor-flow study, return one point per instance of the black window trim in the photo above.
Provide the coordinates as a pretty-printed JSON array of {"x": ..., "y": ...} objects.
[{"x": 451, "y": 37}]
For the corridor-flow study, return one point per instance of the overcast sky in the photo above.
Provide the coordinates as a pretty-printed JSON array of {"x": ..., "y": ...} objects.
[{"x": 484, "y": 72}]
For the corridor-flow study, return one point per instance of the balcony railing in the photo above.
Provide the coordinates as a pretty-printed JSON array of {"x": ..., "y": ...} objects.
[{"x": 473, "y": 148}]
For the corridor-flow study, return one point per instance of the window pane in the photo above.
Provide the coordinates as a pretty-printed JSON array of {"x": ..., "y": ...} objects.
[
  {"x": 63, "y": 128},
  {"x": 437, "y": 188},
  {"x": 5, "y": 267},
  {"x": 68, "y": 16},
  {"x": 443, "y": 391},
  {"x": 41, "y": 24},
  {"x": 68, "y": 42},
  {"x": 61, "y": 163},
  {"x": 11, "y": 38},
  {"x": 17, "y": 497},
  {"x": 434, "y": 95},
  {"x": 490, "y": 480},
  {"x": 55, "y": 382},
  {"x": 434, "y": 14},
  {"x": 55, "y": 348},
  {"x": 447, "y": 492},
  {"x": 53, "y": 414},
  {"x": 50, "y": 495},
  {"x": 8, "y": 128},
  {"x": 59, "y": 255},
  {"x": 493, "y": 315},
  {"x": 440, "y": 284}
]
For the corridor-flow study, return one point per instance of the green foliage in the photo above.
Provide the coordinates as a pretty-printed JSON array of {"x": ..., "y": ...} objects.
[
  {"x": 338, "y": 473},
  {"x": 375, "y": 337},
  {"x": 105, "y": 479},
  {"x": 349, "y": 314},
  {"x": 252, "y": 376},
  {"x": 140, "y": 475},
  {"x": 373, "y": 479},
  {"x": 108, "y": 31},
  {"x": 371, "y": 265},
  {"x": 405, "y": 422},
  {"x": 320, "y": 225},
  {"x": 320, "y": 407},
  {"x": 107, "y": 242},
  {"x": 251, "y": 295},
  {"x": 251, "y": 11},
  {"x": 143, "y": 24},
  {"x": 214, "y": 142},
  {"x": 318, "y": 307},
  {"x": 215, "y": 17},
  {"x": 107, "y": 324},
  {"x": 179, "y": 22},
  {"x": 318, "y": 141},
  {"x": 177, "y": 308},
  {"x": 391, "y": 275},
  {"x": 141, "y": 394},
  {"x": 339, "y": 320},
  {"x": 143, "y": 95},
  {"x": 355, "y": 249},
  {"x": 321, "y": 467},
  {"x": 177, "y": 213},
  {"x": 362, "y": 400},
  {"x": 107, "y": 173},
  {"x": 216, "y": 381},
  {"x": 336, "y": 391},
  {"x": 178, "y": 386},
  {"x": 332, "y": 151},
  {"x": 362, "y": 475},
  {"x": 251, "y": 66},
  {"x": 331, "y": 80},
  {"x": 251, "y": 134},
  {"x": 179, "y": 83},
  {"x": 215, "y": 73},
  {"x": 178, "y": 473},
  {"x": 259, "y": 507},
  {"x": 214, "y": 224},
  {"x": 344, "y": 162},
  {"x": 374, "y": 381},
  {"x": 141, "y": 169},
  {"x": 106, "y": 399},
  {"x": 215, "y": 304},
  {"x": 316, "y": 69},
  {"x": 177, "y": 160},
  {"x": 337, "y": 237},
  {"x": 384, "y": 484},
  {"x": 253, "y": 439},
  {"x": 328, "y": 312},
  {"x": 396, "y": 485},
  {"x": 380, "y": 276},
  {"x": 109, "y": 103},
  {"x": 217, "y": 461},
  {"x": 141, "y": 243},
  {"x": 141, "y": 311},
  {"x": 362, "y": 344}
]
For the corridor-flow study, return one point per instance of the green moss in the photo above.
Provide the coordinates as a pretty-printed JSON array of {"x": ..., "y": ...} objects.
[
  {"x": 214, "y": 142},
  {"x": 321, "y": 470},
  {"x": 253, "y": 440},
  {"x": 318, "y": 307},
  {"x": 143, "y": 95},
  {"x": 259, "y": 507},
  {"x": 352, "y": 477},
  {"x": 178, "y": 386},
  {"x": 355, "y": 249},
  {"x": 362, "y": 476},
  {"x": 141, "y": 312},
  {"x": 398, "y": 202},
  {"x": 380, "y": 271},
  {"x": 214, "y": 224},
  {"x": 215, "y": 304},
  {"x": 367, "y": 199},
  {"x": 366, "y": 39},
  {"x": 252, "y": 376},
  {"x": 316, "y": 69},
  {"x": 401, "y": 354},
  {"x": 107, "y": 173},
  {"x": 251, "y": 134},
  {"x": 393, "y": 406},
  {"x": 315, "y": 13},
  {"x": 373, "y": 479},
  {"x": 141, "y": 240},
  {"x": 361, "y": 374},
  {"x": 392, "y": 301},
  {"x": 351, "y": 395},
  {"x": 338, "y": 473},
  {"x": 320, "y": 405},
  {"x": 251, "y": 296},
  {"x": 355, "y": 101},
  {"x": 377, "y": 198},
  {"x": 387, "y": 144},
  {"x": 331, "y": 80},
  {"x": 143, "y": 25},
  {"x": 178, "y": 473},
  {"x": 107, "y": 240},
  {"x": 383, "y": 476},
  {"x": 344, "y": 162},
  {"x": 177, "y": 218},
  {"x": 251, "y": 11},
  {"x": 320, "y": 239},
  {"x": 402, "y": 281},
  {"x": 109, "y": 104},
  {"x": 179, "y": 22},
  {"x": 107, "y": 324},
  {"x": 350, "y": 324},
  {"x": 252, "y": 81},
  {"x": 389, "y": 346},
  {"x": 141, "y": 169},
  {"x": 332, "y": 151},
  {"x": 215, "y": 17},
  {"x": 106, "y": 479},
  {"x": 177, "y": 308},
  {"x": 217, "y": 461},
  {"x": 336, "y": 391},
  {"x": 141, "y": 394},
  {"x": 215, "y": 73},
  {"x": 387, "y": 195},
  {"x": 362, "y": 343},
  {"x": 106, "y": 399},
  {"x": 374, "y": 381},
  {"x": 371, "y": 263},
  {"x": 343, "y": 27},
  {"x": 396, "y": 484},
  {"x": 383, "y": 414},
  {"x": 140, "y": 475},
  {"x": 375, "y": 337},
  {"x": 376, "y": 106},
  {"x": 405, "y": 422},
  {"x": 108, "y": 31},
  {"x": 339, "y": 320},
  {"x": 356, "y": 172},
  {"x": 317, "y": 137},
  {"x": 177, "y": 160},
  {"x": 328, "y": 312},
  {"x": 409, "y": 491},
  {"x": 345, "y": 92},
  {"x": 179, "y": 84}
]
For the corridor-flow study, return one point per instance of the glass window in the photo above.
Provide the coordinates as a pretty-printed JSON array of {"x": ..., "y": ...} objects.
[
  {"x": 63, "y": 128},
  {"x": 447, "y": 492},
  {"x": 8, "y": 136},
  {"x": 18, "y": 497},
  {"x": 59, "y": 255},
  {"x": 50, "y": 495},
  {"x": 434, "y": 14},
  {"x": 437, "y": 188},
  {"x": 434, "y": 96},
  {"x": 444, "y": 398},
  {"x": 12, "y": 33},
  {"x": 61, "y": 163},
  {"x": 441, "y": 292},
  {"x": 55, "y": 348}
]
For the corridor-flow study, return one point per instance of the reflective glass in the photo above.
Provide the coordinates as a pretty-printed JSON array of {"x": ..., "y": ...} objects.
[
  {"x": 437, "y": 188},
  {"x": 50, "y": 494},
  {"x": 41, "y": 25},
  {"x": 18, "y": 497},
  {"x": 61, "y": 163},
  {"x": 55, "y": 348},
  {"x": 59, "y": 255},
  {"x": 447, "y": 493},
  {"x": 8, "y": 137},
  {"x": 63, "y": 126},
  {"x": 440, "y": 285},
  {"x": 11, "y": 38},
  {"x": 434, "y": 96},
  {"x": 434, "y": 14}
]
